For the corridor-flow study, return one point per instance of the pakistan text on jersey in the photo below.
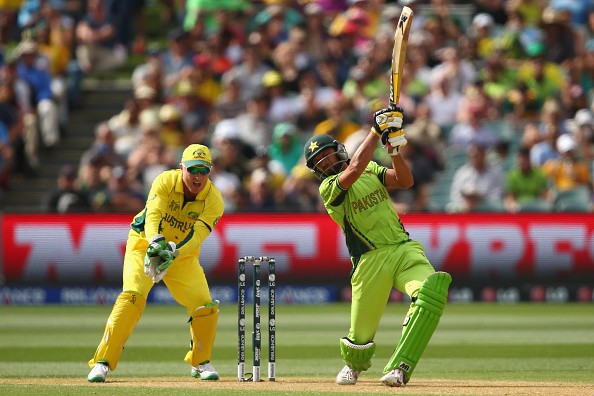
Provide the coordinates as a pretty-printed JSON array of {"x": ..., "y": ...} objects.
[
  {"x": 175, "y": 223},
  {"x": 372, "y": 199}
]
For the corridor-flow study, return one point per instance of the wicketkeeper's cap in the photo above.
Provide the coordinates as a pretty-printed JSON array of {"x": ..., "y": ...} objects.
[{"x": 196, "y": 155}]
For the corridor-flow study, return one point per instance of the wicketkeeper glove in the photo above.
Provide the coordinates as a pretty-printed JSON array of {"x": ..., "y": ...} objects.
[
  {"x": 388, "y": 119},
  {"x": 167, "y": 256},
  {"x": 159, "y": 264},
  {"x": 151, "y": 258}
]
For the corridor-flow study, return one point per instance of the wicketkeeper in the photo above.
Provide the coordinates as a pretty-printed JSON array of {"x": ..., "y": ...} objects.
[
  {"x": 182, "y": 208},
  {"x": 355, "y": 195}
]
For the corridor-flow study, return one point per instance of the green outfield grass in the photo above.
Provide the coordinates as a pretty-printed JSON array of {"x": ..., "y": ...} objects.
[{"x": 483, "y": 342}]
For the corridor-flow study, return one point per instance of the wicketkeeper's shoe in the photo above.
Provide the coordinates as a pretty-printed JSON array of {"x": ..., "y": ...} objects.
[
  {"x": 347, "y": 376},
  {"x": 205, "y": 371},
  {"x": 98, "y": 373},
  {"x": 394, "y": 377}
]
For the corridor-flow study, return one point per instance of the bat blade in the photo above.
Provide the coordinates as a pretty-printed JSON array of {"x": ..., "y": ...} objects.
[{"x": 399, "y": 53}]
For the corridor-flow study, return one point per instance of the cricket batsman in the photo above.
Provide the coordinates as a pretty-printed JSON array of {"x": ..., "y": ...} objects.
[
  {"x": 354, "y": 192},
  {"x": 182, "y": 208}
]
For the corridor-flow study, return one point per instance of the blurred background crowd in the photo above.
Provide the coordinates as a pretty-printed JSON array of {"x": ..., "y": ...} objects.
[{"x": 498, "y": 98}]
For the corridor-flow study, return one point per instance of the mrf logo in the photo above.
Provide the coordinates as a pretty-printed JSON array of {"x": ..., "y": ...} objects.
[{"x": 404, "y": 366}]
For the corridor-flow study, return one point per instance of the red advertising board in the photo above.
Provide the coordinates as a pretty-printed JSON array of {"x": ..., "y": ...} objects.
[{"x": 308, "y": 248}]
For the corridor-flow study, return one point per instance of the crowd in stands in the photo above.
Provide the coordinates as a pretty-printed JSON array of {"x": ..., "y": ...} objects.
[{"x": 498, "y": 95}]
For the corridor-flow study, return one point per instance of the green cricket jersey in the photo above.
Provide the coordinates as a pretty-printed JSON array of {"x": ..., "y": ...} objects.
[{"x": 364, "y": 211}]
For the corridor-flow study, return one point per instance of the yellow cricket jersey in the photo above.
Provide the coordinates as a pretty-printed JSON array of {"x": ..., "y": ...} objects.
[{"x": 167, "y": 212}]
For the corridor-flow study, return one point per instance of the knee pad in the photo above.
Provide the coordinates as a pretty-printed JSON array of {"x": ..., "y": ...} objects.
[{"x": 357, "y": 357}]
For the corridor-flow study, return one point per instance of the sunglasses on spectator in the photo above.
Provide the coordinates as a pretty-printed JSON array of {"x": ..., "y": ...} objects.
[{"x": 194, "y": 170}]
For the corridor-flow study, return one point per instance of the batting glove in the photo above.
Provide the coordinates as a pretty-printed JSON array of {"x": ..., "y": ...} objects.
[
  {"x": 394, "y": 141},
  {"x": 386, "y": 120}
]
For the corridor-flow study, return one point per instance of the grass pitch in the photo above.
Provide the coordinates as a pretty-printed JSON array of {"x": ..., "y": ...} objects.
[{"x": 478, "y": 349}]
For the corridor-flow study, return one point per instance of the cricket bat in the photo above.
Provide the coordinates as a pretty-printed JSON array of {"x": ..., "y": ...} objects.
[
  {"x": 399, "y": 57},
  {"x": 399, "y": 53}
]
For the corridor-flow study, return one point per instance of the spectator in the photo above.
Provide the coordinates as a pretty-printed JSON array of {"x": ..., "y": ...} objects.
[
  {"x": 22, "y": 105},
  {"x": 153, "y": 64},
  {"x": 231, "y": 103},
  {"x": 473, "y": 130},
  {"x": 550, "y": 127},
  {"x": 55, "y": 38},
  {"x": 443, "y": 102},
  {"x": 315, "y": 31},
  {"x": 364, "y": 84},
  {"x": 254, "y": 125},
  {"x": 538, "y": 80},
  {"x": 482, "y": 28},
  {"x": 337, "y": 123},
  {"x": 177, "y": 59},
  {"x": 39, "y": 81},
  {"x": 103, "y": 147},
  {"x": 13, "y": 146},
  {"x": 130, "y": 24},
  {"x": 126, "y": 128},
  {"x": 290, "y": 59},
  {"x": 311, "y": 114},
  {"x": 260, "y": 192},
  {"x": 526, "y": 186},
  {"x": 498, "y": 80},
  {"x": 66, "y": 197},
  {"x": 6, "y": 157},
  {"x": 283, "y": 106},
  {"x": 171, "y": 129},
  {"x": 342, "y": 50},
  {"x": 234, "y": 153},
  {"x": 208, "y": 89},
  {"x": 458, "y": 72},
  {"x": 476, "y": 184},
  {"x": 416, "y": 198},
  {"x": 93, "y": 176},
  {"x": 121, "y": 194},
  {"x": 251, "y": 69},
  {"x": 559, "y": 37},
  {"x": 150, "y": 158},
  {"x": 428, "y": 136},
  {"x": 194, "y": 119},
  {"x": 582, "y": 129},
  {"x": 286, "y": 148},
  {"x": 228, "y": 183},
  {"x": 97, "y": 47},
  {"x": 567, "y": 171},
  {"x": 300, "y": 191}
]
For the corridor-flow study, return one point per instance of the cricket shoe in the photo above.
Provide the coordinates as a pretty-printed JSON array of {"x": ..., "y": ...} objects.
[
  {"x": 395, "y": 378},
  {"x": 98, "y": 373},
  {"x": 347, "y": 376},
  {"x": 205, "y": 371}
]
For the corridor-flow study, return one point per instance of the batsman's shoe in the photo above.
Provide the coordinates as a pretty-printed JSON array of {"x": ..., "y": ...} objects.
[
  {"x": 98, "y": 373},
  {"x": 205, "y": 371},
  {"x": 347, "y": 376},
  {"x": 395, "y": 378}
]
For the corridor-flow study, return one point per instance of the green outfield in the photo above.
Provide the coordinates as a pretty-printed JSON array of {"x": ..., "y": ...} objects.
[{"x": 478, "y": 349}]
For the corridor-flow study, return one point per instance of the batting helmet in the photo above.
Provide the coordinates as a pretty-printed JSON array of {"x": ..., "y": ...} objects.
[{"x": 315, "y": 145}]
